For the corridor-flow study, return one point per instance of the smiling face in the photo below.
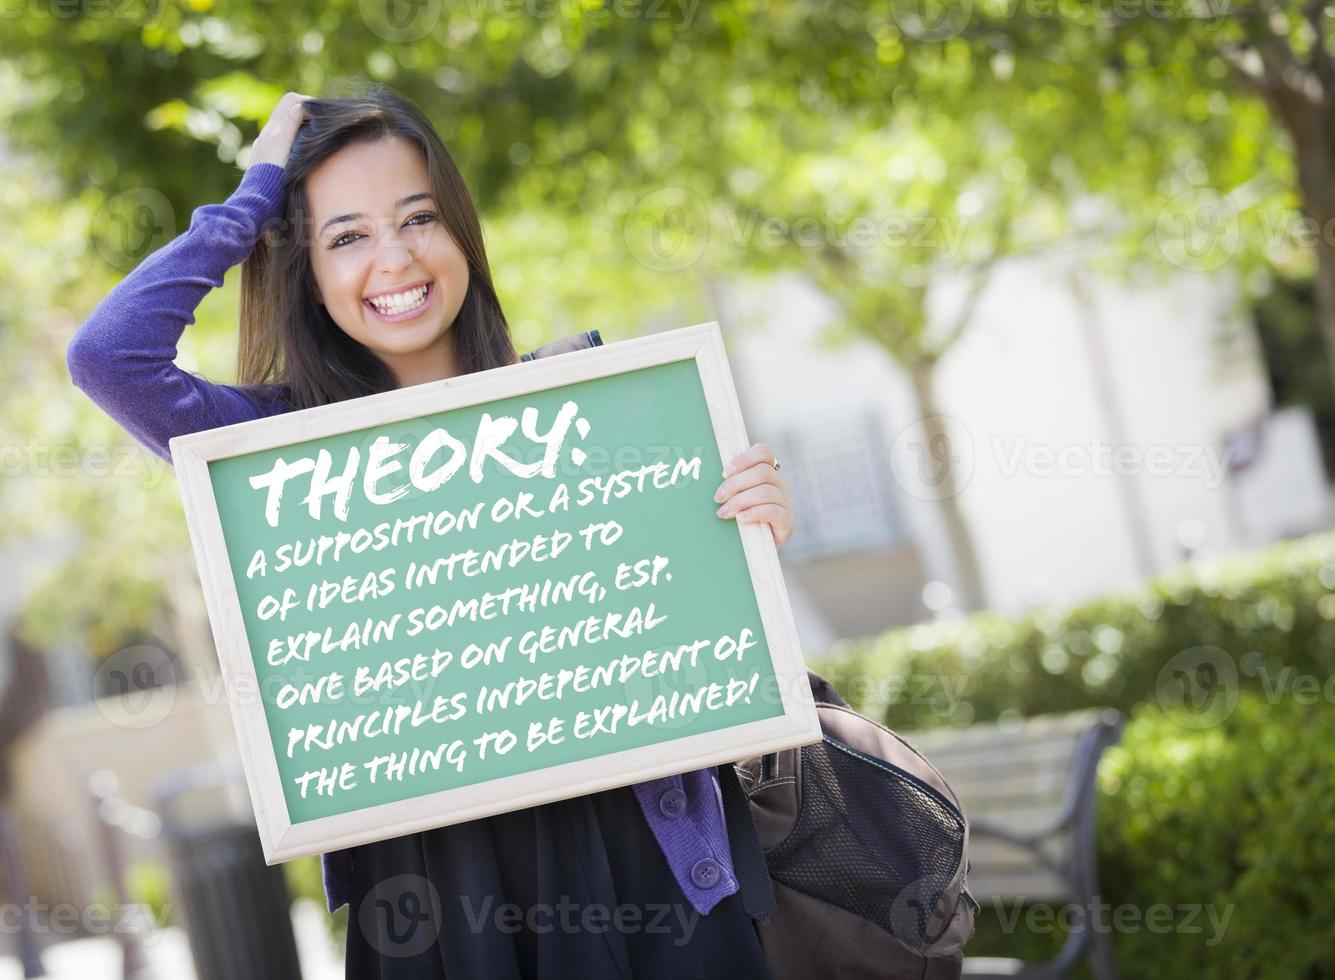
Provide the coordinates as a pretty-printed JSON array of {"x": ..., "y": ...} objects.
[{"x": 386, "y": 267}]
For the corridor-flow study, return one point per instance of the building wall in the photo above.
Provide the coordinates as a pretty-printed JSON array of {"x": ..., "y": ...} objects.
[
  {"x": 867, "y": 569},
  {"x": 139, "y": 738},
  {"x": 1052, "y": 374},
  {"x": 1052, "y": 379}
]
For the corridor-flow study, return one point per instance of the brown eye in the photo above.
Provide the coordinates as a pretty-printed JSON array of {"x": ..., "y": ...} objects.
[{"x": 338, "y": 241}]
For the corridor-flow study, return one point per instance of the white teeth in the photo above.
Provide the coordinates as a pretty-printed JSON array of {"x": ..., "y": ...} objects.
[{"x": 400, "y": 302}]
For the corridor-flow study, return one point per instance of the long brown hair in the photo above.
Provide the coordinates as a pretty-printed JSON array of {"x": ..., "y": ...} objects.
[{"x": 289, "y": 346}]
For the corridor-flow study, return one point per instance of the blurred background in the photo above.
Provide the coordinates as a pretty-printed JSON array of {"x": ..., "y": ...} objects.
[{"x": 1035, "y": 300}]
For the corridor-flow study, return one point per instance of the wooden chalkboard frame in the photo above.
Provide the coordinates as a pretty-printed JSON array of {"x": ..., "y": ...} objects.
[{"x": 281, "y": 839}]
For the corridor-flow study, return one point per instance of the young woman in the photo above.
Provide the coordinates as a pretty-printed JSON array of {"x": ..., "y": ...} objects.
[{"x": 364, "y": 272}]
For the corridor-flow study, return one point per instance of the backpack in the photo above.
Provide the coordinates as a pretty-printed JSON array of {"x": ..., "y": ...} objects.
[{"x": 851, "y": 854}]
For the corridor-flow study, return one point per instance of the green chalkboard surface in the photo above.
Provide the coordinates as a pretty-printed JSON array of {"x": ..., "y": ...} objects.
[{"x": 455, "y": 612}]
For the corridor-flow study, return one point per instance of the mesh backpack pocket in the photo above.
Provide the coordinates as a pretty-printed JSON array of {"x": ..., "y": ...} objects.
[
  {"x": 866, "y": 846},
  {"x": 873, "y": 840}
]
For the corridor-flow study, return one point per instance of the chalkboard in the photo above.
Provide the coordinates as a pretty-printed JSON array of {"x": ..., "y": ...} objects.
[{"x": 485, "y": 593}]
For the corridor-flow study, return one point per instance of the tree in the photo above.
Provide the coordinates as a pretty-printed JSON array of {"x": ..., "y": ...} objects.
[
  {"x": 1208, "y": 128},
  {"x": 588, "y": 137}
]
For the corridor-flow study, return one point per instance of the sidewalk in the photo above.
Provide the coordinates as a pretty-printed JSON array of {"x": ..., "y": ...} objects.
[{"x": 168, "y": 952}]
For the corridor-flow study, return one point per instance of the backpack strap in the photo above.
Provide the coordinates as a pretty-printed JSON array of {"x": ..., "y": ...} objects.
[
  {"x": 823, "y": 691},
  {"x": 748, "y": 858}
]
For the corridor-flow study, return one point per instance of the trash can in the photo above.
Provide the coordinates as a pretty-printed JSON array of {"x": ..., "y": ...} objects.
[{"x": 237, "y": 910}]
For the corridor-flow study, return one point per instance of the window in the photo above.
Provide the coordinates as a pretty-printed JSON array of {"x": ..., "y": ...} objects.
[{"x": 842, "y": 488}]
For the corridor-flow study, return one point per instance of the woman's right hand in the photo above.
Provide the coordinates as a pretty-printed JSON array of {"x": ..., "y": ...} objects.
[{"x": 275, "y": 139}]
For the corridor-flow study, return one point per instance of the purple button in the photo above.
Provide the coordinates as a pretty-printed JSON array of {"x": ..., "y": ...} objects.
[
  {"x": 707, "y": 873},
  {"x": 672, "y": 803}
]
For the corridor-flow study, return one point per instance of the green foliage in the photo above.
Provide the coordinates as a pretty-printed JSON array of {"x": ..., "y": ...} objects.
[
  {"x": 1295, "y": 356},
  {"x": 306, "y": 880},
  {"x": 1213, "y": 851},
  {"x": 845, "y": 116},
  {"x": 149, "y": 883},
  {"x": 1214, "y": 809},
  {"x": 1258, "y": 622},
  {"x": 1234, "y": 818},
  {"x": 69, "y": 469},
  {"x": 627, "y": 156}
]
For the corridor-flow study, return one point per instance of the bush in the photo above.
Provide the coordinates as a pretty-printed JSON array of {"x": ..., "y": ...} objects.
[
  {"x": 1215, "y": 809},
  {"x": 1257, "y": 620},
  {"x": 1235, "y": 819},
  {"x": 148, "y": 883},
  {"x": 1214, "y": 855}
]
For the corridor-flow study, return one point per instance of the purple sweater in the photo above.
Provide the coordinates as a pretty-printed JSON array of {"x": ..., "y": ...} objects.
[{"x": 124, "y": 357}]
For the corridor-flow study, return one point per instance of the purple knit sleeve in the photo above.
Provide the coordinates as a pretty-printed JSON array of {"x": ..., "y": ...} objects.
[{"x": 123, "y": 356}]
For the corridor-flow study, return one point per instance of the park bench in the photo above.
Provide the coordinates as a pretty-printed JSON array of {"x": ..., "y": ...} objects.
[{"x": 1029, "y": 794}]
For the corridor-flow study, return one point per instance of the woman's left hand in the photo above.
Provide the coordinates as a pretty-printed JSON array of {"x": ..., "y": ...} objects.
[{"x": 754, "y": 491}]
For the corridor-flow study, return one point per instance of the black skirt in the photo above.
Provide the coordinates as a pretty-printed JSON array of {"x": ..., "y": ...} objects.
[{"x": 578, "y": 888}]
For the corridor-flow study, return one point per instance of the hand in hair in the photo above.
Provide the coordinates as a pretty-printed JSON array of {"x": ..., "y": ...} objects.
[{"x": 275, "y": 139}]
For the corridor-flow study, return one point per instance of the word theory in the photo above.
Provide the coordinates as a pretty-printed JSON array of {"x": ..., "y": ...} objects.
[{"x": 436, "y": 458}]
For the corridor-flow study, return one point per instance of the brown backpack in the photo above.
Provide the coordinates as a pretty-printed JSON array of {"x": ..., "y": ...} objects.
[{"x": 851, "y": 854}]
